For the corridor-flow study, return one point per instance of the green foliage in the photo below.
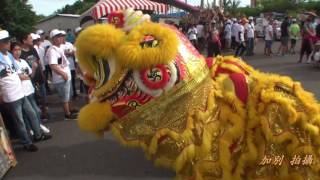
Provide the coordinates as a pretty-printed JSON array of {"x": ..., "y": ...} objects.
[
  {"x": 247, "y": 11},
  {"x": 17, "y": 17},
  {"x": 232, "y": 6},
  {"x": 282, "y": 6},
  {"x": 77, "y": 8}
]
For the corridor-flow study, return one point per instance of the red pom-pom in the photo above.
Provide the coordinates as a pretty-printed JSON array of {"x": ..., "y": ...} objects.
[{"x": 117, "y": 19}]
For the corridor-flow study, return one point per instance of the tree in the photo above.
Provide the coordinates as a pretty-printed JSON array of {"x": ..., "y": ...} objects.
[
  {"x": 76, "y": 8},
  {"x": 17, "y": 17},
  {"x": 232, "y": 6}
]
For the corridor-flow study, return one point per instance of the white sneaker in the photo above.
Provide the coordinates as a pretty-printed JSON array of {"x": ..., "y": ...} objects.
[{"x": 44, "y": 129}]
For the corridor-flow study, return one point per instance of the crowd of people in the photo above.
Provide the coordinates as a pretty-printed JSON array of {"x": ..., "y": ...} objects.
[
  {"x": 214, "y": 34},
  {"x": 30, "y": 66}
]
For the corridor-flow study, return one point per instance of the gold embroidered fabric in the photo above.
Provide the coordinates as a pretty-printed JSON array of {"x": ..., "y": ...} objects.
[{"x": 168, "y": 111}]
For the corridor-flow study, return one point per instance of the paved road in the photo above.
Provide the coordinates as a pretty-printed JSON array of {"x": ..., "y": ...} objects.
[{"x": 72, "y": 154}]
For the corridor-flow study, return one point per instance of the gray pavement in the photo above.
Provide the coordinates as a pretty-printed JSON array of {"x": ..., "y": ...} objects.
[{"x": 72, "y": 154}]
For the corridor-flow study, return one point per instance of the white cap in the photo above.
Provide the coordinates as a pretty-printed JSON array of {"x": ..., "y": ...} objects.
[
  {"x": 294, "y": 20},
  {"x": 4, "y": 35},
  {"x": 35, "y": 36},
  {"x": 250, "y": 18},
  {"x": 63, "y": 33},
  {"x": 40, "y": 32},
  {"x": 77, "y": 30},
  {"x": 54, "y": 33},
  {"x": 229, "y": 21}
]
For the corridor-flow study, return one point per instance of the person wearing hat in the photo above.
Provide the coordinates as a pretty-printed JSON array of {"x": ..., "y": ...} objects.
[
  {"x": 308, "y": 34},
  {"x": 294, "y": 32},
  {"x": 240, "y": 40},
  {"x": 13, "y": 96},
  {"x": 234, "y": 29},
  {"x": 227, "y": 35},
  {"x": 77, "y": 31},
  {"x": 268, "y": 38},
  {"x": 250, "y": 34},
  {"x": 40, "y": 50},
  {"x": 69, "y": 51},
  {"x": 45, "y": 44},
  {"x": 61, "y": 75}
]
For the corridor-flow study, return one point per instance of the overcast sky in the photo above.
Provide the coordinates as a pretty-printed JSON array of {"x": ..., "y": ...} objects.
[{"x": 47, "y": 7}]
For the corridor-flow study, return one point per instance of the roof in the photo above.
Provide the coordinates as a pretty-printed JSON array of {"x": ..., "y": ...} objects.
[{"x": 60, "y": 15}]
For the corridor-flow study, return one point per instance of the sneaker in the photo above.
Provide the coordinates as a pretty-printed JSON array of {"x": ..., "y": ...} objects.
[
  {"x": 31, "y": 148},
  {"x": 44, "y": 129},
  {"x": 43, "y": 137},
  {"x": 70, "y": 117},
  {"x": 74, "y": 111}
]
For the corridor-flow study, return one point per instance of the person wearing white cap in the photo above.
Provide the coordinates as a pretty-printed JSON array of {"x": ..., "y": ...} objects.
[
  {"x": 30, "y": 54},
  {"x": 13, "y": 95},
  {"x": 77, "y": 30},
  {"x": 69, "y": 51},
  {"x": 61, "y": 75},
  {"x": 227, "y": 35},
  {"x": 234, "y": 33},
  {"x": 41, "y": 51},
  {"x": 45, "y": 44},
  {"x": 250, "y": 30}
]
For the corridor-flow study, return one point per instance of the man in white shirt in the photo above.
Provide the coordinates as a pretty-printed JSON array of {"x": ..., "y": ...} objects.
[
  {"x": 227, "y": 35},
  {"x": 268, "y": 39},
  {"x": 45, "y": 44},
  {"x": 200, "y": 30},
  {"x": 192, "y": 34},
  {"x": 69, "y": 51},
  {"x": 61, "y": 75},
  {"x": 13, "y": 97},
  {"x": 250, "y": 36},
  {"x": 234, "y": 33},
  {"x": 241, "y": 46}
]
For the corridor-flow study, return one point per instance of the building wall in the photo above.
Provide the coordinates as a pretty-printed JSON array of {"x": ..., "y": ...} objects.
[{"x": 58, "y": 22}]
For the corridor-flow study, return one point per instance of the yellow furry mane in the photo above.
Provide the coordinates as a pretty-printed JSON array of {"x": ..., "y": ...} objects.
[
  {"x": 131, "y": 55},
  {"x": 99, "y": 40}
]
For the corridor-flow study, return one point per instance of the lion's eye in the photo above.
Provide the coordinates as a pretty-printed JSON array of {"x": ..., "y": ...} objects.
[{"x": 149, "y": 42}]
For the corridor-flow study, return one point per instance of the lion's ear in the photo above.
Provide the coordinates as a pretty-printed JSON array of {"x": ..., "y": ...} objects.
[{"x": 147, "y": 45}]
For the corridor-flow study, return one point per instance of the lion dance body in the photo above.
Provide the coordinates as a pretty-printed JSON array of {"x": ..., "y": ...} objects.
[{"x": 204, "y": 118}]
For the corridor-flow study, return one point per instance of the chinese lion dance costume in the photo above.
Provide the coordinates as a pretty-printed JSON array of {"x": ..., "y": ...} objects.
[{"x": 204, "y": 118}]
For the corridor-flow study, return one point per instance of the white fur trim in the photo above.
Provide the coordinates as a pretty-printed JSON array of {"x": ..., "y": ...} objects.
[{"x": 173, "y": 78}]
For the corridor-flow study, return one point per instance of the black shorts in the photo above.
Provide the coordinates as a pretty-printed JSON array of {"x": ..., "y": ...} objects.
[
  {"x": 293, "y": 41},
  {"x": 284, "y": 41}
]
